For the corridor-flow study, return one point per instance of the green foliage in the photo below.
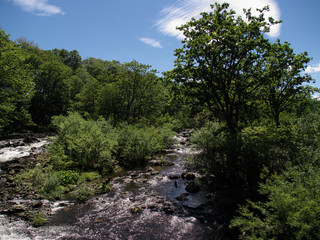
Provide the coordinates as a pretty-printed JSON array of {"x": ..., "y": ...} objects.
[
  {"x": 52, "y": 181},
  {"x": 33, "y": 176},
  {"x": 16, "y": 86},
  {"x": 292, "y": 209},
  {"x": 88, "y": 176},
  {"x": 241, "y": 158},
  {"x": 68, "y": 177},
  {"x": 135, "y": 93},
  {"x": 83, "y": 144},
  {"x": 83, "y": 192},
  {"x": 39, "y": 219},
  {"x": 138, "y": 144},
  {"x": 219, "y": 63},
  {"x": 285, "y": 85},
  {"x": 211, "y": 139},
  {"x": 52, "y": 94}
]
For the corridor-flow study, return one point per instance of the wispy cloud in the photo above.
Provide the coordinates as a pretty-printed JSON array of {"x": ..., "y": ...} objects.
[
  {"x": 38, "y": 7},
  {"x": 313, "y": 69},
  {"x": 151, "y": 42},
  {"x": 183, "y": 10}
]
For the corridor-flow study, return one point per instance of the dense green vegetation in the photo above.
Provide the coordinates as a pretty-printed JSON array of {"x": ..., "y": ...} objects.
[{"x": 247, "y": 97}]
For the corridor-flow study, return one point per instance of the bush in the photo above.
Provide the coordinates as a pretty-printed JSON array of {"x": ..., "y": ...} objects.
[
  {"x": 39, "y": 219},
  {"x": 83, "y": 144},
  {"x": 139, "y": 143},
  {"x": 241, "y": 157},
  {"x": 292, "y": 209},
  {"x": 33, "y": 176},
  {"x": 212, "y": 140}
]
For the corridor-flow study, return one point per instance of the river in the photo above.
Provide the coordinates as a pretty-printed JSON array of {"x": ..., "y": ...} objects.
[{"x": 151, "y": 203}]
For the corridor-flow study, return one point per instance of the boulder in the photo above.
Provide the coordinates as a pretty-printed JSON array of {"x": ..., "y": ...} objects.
[
  {"x": 135, "y": 209},
  {"x": 168, "y": 209},
  {"x": 192, "y": 187},
  {"x": 174, "y": 177},
  {"x": 188, "y": 175}
]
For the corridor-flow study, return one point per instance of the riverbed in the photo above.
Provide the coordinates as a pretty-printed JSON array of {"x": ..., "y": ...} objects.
[{"x": 148, "y": 203}]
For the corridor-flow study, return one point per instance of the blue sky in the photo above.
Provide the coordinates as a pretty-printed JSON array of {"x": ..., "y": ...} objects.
[{"x": 144, "y": 30}]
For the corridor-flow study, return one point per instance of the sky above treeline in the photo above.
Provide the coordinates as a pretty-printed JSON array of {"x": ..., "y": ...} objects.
[{"x": 145, "y": 30}]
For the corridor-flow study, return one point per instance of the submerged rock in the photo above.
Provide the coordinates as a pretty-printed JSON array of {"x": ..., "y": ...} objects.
[{"x": 183, "y": 197}]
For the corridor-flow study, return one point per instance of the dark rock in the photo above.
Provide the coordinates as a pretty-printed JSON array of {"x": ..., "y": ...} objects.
[
  {"x": 29, "y": 139},
  {"x": 188, "y": 176},
  {"x": 168, "y": 209},
  {"x": 174, "y": 177},
  {"x": 13, "y": 210},
  {"x": 192, "y": 187},
  {"x": 37, "y": 204}
]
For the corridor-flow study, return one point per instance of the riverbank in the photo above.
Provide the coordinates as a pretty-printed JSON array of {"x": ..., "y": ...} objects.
[{"x": 162, "y": 200}]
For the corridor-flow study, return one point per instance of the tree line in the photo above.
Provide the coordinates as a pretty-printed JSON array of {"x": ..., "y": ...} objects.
[{"x": 37, "y": 85}]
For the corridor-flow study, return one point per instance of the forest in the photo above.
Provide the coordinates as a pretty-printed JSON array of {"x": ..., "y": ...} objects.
[{"x": 246, "y": 97}]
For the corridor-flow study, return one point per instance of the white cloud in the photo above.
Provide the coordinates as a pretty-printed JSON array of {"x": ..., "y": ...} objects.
[
  {"x": 313, "y": 69},
  {"x": 183, "y": 10},
  {"x": 151, "y": 42},
  {"x": 38, "y": 7}
]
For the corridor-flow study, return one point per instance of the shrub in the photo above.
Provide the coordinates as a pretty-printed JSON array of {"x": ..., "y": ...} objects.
[
  {"x": 83, "y": 144},
  {"x": 88, "y": 176},
  {"x": 292, "y": 209},
  {"x": 211, "y": 139},
  {"x": 51, "y": 182},
  {"x": 139, "y": 143},
  {"x": 83, "y": 192},
  {"x": 39, "y": 219},
  {"x": 33, "y": 176}
]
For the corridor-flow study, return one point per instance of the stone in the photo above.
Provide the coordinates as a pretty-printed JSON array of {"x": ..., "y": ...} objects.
[
  {"x": 192, "y": 187},
  {"x": 150, "y": 169},
  {"x": 168, "y": 209},
  {"x": 174, "y": 177},
  {"x": 37, "y": 204},
  {"x": 188, "y": 176},
  {"x": 13, "y": 210},
  {"x": 135, "y": 209},
  {"x": 141, "y": 180},
  {"x": 128, "y": 180}
]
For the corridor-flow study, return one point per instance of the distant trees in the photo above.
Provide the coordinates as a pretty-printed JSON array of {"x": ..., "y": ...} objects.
[
  {"x": 137, "y": 93},
  {"x": 37, "y": 85}
]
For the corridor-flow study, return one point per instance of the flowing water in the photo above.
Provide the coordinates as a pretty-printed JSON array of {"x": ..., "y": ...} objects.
[{"x": 143, "y": 204}]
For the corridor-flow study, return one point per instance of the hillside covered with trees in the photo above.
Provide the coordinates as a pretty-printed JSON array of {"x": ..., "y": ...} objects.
[{"x": 246, "y": 97}]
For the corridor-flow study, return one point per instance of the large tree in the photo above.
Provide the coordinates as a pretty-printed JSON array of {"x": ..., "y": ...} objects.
[
  {"x": 285, "y": 80},
  {"x": 220, "y": 61}
]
